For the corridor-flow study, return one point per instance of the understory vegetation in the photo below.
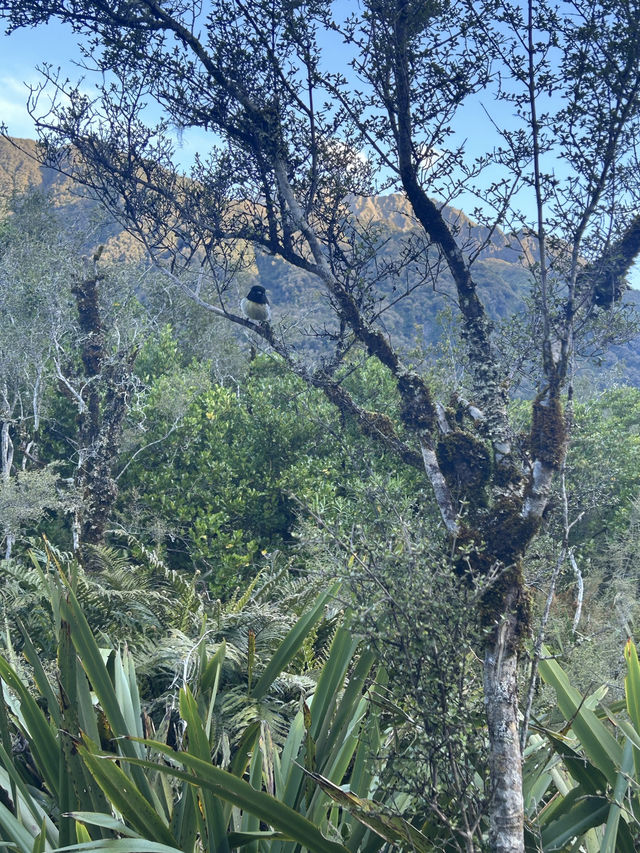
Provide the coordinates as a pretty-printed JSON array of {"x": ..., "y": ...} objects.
[{"x": 269, "y": 645}]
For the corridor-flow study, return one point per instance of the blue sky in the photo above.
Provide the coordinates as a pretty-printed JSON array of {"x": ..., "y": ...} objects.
[
  {"x": 19, "y": 55},
  {"x": 56, "y": 44}
]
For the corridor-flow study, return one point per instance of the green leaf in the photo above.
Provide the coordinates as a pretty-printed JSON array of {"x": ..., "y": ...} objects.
[
  {"x": 96, "y": 671},
  {"x": 598, "y": 743},
  {"x": 40, "y": 842},
  {"x": 251, "y": 823},
  {"x": 286, "y": 786},
  {"x": 120, "y": 845},
  {"x": 123, "y": 794},
  {"x": 211, "y": 673},
  {"x": 238, "y": 792},
  {"x": 334, "y": 734},
  {"x": 198, "y": 745},
  {"x": 86, "y": 711},
  {"x": 329, "y": 683},
  {"x": 104, "y": 820},
  {"x": 71, "y": 771},
  {"x": 241, "y": 839},
  {"x": 13, "y": 830},
  {"x": 82, "y": 835},
  {"x": 5, "y": 737},
  {"x": 245, "y": 747},
  {"x": 21, "y": 793},
  {"x": 585, "y": 774},
  {"x": 632, "y": 683},
  {"x": 42, "y": 740},
  {"x": 292, "y": 643},
  {"x": 126, "y": 689},
  {"x": 183, "y": 818},
  {"x": 393, "y": 829},
  {"x": 39, "y": 675},
  {"x": 583, "y": 812},
  {"x": 609, "y": 841}
]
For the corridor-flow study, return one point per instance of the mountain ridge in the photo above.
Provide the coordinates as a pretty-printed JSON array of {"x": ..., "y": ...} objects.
[
  {"x": 499, "y": 270},
  {"x": 21, "y": 170}
]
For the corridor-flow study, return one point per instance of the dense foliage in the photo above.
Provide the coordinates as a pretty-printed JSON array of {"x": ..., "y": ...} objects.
[{"x": 241, "y": 493}]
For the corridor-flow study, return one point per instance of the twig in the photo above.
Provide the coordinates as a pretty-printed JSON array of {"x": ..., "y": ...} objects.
[
  {"x": 537, "y": 650},
  {"x": 580, "y": 594}
]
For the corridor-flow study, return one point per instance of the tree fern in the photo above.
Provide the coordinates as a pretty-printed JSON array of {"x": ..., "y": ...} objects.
[{"x": 172, "y": 628}]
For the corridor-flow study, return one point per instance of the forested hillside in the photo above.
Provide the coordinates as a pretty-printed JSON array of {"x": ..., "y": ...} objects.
[{"x": 501, "y": 268}]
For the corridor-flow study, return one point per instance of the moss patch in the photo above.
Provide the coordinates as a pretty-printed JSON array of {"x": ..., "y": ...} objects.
[
  {"x": 548, "y": 431},
  {"x": 418, "y": 411},
  {"x": 508, "y": 597},
  {"x": 465, "y": 462},
  {"x": 378, "y": 422},
  {"x": 507, "y": 532},
  {"x": 500, "y": 540}
]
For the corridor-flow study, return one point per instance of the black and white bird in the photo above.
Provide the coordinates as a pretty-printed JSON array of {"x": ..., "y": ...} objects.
[{"x": 255, "y": 305}]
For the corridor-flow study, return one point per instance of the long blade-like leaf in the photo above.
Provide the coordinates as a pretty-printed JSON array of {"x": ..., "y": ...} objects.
[
  {"x": 40, "y": 843},
  {"x": 123, "y": 794},
  {"x": 119, "y": 845},
  {"x": 39, "y": 674},
  {"x": 104, "y": 820},
  {"x": 585, "y": 812},
  {"x": 292, "y": 643},
  {"x": 198, "y": 745},
  {"x": 42, "y": 740},
  {"x": 331, "y": 678},
  {"x": 585, "y": 774},
  {"x": 598, "y": 743},
  {"x": 241, "y": 794},
  {"x": 23, "y": 796},
  {"x": 609, "y": 841},
  {"x": 14, "y": 831},
  {"x": 394, "y": 829},
  {"x": 94, "y": 666},
  {"x": 343, "y": 720}
]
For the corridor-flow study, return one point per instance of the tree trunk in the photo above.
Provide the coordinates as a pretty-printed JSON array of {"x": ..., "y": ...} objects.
[
  {"x": 506, "y": 812},
  {"x": 107, "y": 381},
  {"x": 6, "y": 461}
]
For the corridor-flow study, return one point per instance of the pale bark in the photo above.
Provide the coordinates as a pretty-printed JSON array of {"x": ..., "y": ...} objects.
[
  {"x": 506, "y": 812},
  {"x": 6, "y": 461},
  {"x": 537, "y": 649},
  {"x": 440, "y": 489},
  {"x": 8, "y": 545},
  {"x": 6, "y": 452},
  {"x": 540, "y": 489},
  {"x": 579, "y": 594}
]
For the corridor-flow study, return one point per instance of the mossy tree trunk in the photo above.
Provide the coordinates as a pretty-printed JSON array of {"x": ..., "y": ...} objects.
[
  {"x": 101, "y": 394},
  {"x": 505, "y": 770}
]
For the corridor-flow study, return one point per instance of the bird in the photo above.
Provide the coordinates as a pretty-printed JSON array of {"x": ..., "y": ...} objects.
[{"x": 255, "y": 305}]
